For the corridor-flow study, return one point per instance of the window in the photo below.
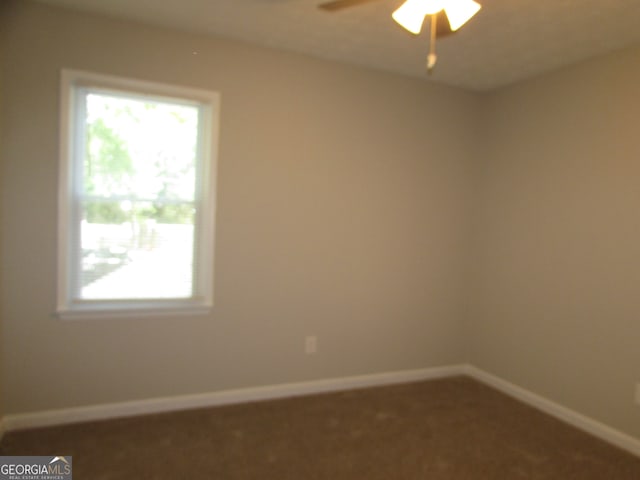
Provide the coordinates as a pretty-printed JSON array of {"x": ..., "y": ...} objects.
[{"x": 136, "y": 196}]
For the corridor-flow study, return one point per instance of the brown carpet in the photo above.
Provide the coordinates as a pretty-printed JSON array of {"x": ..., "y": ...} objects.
[{"x": 445, "y": 429}]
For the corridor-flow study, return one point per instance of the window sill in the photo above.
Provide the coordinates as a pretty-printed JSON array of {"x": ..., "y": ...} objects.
[{"x": 94, "y": 312}]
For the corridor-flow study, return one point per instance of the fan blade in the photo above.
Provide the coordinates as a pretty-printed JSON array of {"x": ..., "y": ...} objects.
[{"x": 340, "y": 4}]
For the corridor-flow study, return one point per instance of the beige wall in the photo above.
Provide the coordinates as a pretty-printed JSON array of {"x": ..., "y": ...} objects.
[
  {"x": 556, "y": 308},
  {"x": 343, "y": 199},
  {"x": 5, "y": 10}
]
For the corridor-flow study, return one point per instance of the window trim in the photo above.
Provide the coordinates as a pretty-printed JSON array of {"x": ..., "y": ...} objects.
[{"x": 201, "y": 302}]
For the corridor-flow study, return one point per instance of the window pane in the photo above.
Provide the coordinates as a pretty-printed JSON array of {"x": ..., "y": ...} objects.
[
  {"x": 141, "y": 148},
  {"x": 136, "y": 250},
  {"x": 137, "y": 199}
]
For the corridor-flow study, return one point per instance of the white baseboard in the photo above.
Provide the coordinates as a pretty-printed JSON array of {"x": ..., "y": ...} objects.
[
  {"x": 184, "y": 402},
  {"x": 582, "y": 422}
]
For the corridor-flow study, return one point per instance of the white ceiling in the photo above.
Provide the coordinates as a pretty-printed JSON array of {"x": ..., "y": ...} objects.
[{"x": 507, "y": 41}]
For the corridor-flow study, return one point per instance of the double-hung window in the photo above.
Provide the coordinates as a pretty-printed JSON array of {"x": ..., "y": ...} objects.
[{"x": 137, "y": 191}]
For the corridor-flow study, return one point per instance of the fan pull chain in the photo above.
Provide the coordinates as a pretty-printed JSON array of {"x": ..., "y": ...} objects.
[{"x": 432, "y": 58}]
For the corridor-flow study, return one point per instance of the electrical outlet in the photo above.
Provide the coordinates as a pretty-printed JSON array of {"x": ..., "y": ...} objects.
[{"x": 311, "y": 344}]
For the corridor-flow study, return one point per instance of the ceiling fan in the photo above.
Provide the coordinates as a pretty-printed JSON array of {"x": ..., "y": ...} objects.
[{"x": 447, "y": 16}]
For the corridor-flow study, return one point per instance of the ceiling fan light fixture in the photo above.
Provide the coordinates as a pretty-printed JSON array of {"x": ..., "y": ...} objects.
[
  {"x": 410, "y": 15},
  {"x": 460, "y": 12}
]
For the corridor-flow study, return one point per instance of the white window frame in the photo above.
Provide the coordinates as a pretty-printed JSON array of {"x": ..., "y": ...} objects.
[{"x": 69, "y": 304}]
